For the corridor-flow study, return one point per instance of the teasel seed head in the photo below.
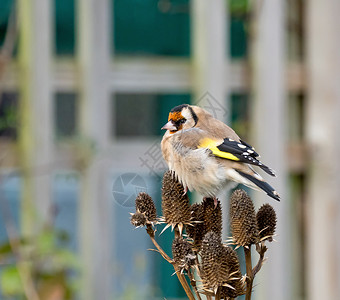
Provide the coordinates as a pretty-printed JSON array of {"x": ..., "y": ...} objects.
[
  {"x": 214, "y": 268},
  {"x": 196, "y": 230},
  {"x": 182, "y": 253},
  {"x": 175, "y": 203},
  {"x": 242, "y": 219},
  {"x": 144, "y": 204},
  {"x": 138, "y": 219},
  {"x": 235, "y": 281},
  {"x": 212, "y": 216},
  {"x": 266, "y": 222}
]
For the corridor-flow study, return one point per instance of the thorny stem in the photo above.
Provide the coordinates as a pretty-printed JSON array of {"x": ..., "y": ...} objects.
[
  {"x": 180, "y": 276},
  {"x": 250, "y": 278}
]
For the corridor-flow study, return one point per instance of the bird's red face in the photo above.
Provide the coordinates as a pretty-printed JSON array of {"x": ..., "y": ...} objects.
[{"x": 175, "y": 122}]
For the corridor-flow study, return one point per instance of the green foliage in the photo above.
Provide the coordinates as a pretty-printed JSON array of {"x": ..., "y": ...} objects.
[
  {"x": 238, "y": 6},
  {"x": 10, "y": 281},
  {"x": 48, "y": 261},
  {"x": 9, "y": 118}
]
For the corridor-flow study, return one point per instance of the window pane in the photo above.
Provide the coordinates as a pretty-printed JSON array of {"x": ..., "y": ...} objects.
[
  {"x": 143, "y": 114},
  {"x": 64, "y": 27},
  {"x": 5, "y": 8},
  {"x": 8, "y": 115},
  {"x": 65, "y": 115},
  {"x": 239, "y": 24},
  {"x": 149, "y": 27}
]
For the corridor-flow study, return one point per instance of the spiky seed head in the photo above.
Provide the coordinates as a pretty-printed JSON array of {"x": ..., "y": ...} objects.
[
  {"x": 175, "y": 204},
  {"x": 212, "y": 216},
  {"x": 235, "y": 276},
  {"x": 214, "y": 269},
  {"x": 242, "y": 219},
  {"x": 138, "y": 219},
  {"x": 266, "y": 222},
  {"x": 144, "y": 204},
  {"x": 196, "y": 229},
  {"x": 182, "y": 253}
]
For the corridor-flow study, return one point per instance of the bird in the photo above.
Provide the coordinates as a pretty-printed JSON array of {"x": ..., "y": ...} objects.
[{"x": 207, "y": 155}]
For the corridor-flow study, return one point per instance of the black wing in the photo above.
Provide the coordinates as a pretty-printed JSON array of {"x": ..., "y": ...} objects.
[{"x": 244, "y": 152}]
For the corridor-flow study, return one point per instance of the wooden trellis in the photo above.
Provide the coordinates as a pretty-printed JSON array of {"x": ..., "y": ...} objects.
[{"x": 96, "y": 77}]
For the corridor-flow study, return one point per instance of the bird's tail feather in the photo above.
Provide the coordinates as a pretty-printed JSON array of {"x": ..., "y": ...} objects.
[{"x": 262, "y": 185}]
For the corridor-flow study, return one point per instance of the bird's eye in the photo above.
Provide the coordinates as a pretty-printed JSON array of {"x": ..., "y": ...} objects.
[{"x": 182, "y": 121}]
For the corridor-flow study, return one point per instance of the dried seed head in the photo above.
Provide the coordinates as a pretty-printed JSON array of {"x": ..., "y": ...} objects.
[
  {"x": 212, "y": 216},
  {"x": 144, "y": 204},
  {"x": 175, "y": 204},
  {"x": 266, "y": 222},
  {"x": 242, "y": 219},
  {"x": 214, "y": 269},
  {"x": 235, "y": 276},
  {"x": 182, "y": 253},
  {"x": 138, "y": 219},
  {"x": 196, "y": 230}
]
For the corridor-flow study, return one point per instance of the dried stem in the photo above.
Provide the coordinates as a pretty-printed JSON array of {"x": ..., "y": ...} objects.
[
  {"x": 218, "y": 294},
  {"x": 193, "y": 284},
  {"x": 177, "y": 232},
  {"x": 250, "y": 278},
  {"x": 251, "y": 272},
  {"x": 151, "y": 233},
  {"x": 261, "y": 249},
  {"x": 180, "y": 276}
]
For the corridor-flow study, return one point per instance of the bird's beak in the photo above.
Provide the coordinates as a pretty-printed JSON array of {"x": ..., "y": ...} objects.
[{"x": 169, "y": 126}]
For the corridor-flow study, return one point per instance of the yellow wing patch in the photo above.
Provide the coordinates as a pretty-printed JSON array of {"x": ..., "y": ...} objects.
[{"x": 212, "y": 145}]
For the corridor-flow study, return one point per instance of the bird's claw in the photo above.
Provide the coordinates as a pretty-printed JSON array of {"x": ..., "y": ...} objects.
[
  {"x": 185, "y": 190},
  {"x": 215, "y": 202}
]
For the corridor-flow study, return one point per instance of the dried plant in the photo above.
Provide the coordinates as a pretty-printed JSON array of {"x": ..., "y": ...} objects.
[
  {"x": 200, "y": 254},
  {"x": 145, "y": 205},
  {"x": 182, "y": 253},
  {"x": 138, "y": 219},
  {"x": 266, "y": 222},
  {"x": 237, "y": 285},
  {"x": 196, "y": 229},
  {"x": 242, "y": 219},
  {"x": 212, "y": 216},
  {"x": 175, "y": 203}
]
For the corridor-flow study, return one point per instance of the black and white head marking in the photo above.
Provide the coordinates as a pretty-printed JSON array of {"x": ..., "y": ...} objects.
[{"x": 188, "y": 113}]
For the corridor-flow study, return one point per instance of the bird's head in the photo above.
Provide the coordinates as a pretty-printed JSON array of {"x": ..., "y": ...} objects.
[{"x": 181, "y": 117}]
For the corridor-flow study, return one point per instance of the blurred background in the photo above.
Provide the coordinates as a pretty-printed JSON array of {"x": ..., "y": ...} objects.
[{"x": 85, "y": 87}]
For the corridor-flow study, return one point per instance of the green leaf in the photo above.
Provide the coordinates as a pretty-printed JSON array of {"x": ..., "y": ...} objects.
[
  {"x": 65, "y": 259},
  {"x": 10, "y": 281},
  {"x": 46, "y": 242},
  {"x": 238, "y": 6},
  {"x": 5, "y": 249}
]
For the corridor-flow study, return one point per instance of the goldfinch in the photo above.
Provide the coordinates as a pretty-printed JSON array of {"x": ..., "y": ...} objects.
[{"x": 206, "y": 155}]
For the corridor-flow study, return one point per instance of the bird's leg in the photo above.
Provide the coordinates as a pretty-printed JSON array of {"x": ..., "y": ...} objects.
[
  {"x": 185, "y": 190},
  {"x": 215, "y": 201}
]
